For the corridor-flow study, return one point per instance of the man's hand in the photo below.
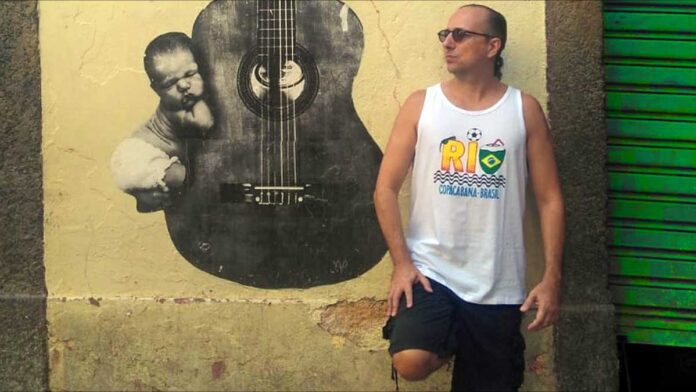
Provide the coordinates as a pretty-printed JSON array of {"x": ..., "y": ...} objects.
[
  {"x": 404, "y": 276},
  {"x": 546, "y": 297}
]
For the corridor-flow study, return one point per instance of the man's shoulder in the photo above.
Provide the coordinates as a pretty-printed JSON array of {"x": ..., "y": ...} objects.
[
  {"x": 415, "y": 101},
  {"x": 417, "y": 96},
  {"x": 530, "y": 104},
  {"x": 412, "y": 107},
  {"x": 527, "y": 99}
]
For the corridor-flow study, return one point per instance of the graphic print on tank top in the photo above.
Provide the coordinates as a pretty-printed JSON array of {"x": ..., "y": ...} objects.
[{"x": 468, "y": 167}]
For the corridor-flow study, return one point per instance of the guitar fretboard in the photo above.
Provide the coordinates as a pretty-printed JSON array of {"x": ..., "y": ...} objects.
[{"x": 276, "y": 29}]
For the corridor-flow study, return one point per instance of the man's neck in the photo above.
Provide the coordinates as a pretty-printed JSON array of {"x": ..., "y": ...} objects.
[{"x": 473, "y": 92}]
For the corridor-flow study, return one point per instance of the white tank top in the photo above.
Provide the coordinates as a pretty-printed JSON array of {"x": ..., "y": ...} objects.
[{"x": 468, "y": 198}]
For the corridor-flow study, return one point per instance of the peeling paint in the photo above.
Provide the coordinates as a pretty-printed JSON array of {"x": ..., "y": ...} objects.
[
  {"x": 55, "y": 359},
  {"x": 538, "y": 365},
  {"x": 359, "y": 322},
  {"x": 218, "y": 369}
]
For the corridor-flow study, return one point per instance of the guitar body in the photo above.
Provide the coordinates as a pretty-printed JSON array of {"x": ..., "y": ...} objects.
[{"x": 249, "y": 214}]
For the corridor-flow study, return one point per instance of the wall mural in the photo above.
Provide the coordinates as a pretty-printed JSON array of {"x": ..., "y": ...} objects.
[{"x": 256, "y": 154}]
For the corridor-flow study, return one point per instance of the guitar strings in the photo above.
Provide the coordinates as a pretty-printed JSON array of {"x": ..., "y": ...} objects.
[
  {"x": 280, "y": 89},
  {"x": 293, "y": 125},
  {"x": 278, "y": 17},
  {"x": 286, "y": 132},
  {"x": 261, "y": 21},
  {"x": 271, "y": 86},
  {"x": 288, "y": 60},
  {"x": 294, "y": 112},
  {"x": 258, "y": 58}
]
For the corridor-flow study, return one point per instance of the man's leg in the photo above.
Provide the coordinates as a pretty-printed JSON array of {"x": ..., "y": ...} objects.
[
  {"x": 490, "y": 355},
  {"x": 421, "y": 338},
  {"x": 415, "y": 365}
]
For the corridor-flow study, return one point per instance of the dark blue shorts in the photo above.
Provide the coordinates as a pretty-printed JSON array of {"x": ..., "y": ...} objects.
[{"x": 485, "y": 339}]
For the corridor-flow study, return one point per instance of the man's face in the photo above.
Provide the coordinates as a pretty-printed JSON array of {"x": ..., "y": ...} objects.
[
  {"x": 177, "y": 80},
  {"x": 473, "y": 51}
]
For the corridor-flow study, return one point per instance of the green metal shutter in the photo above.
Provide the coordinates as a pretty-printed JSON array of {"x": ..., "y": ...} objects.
[{"x": 650, "y": 60}]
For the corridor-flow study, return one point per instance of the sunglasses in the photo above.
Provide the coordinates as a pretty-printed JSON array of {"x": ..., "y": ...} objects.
[{"x": 458, "y": 34}]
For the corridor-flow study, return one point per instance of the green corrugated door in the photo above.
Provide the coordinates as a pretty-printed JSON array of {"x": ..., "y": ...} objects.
[{"x": 650, "y": 60}]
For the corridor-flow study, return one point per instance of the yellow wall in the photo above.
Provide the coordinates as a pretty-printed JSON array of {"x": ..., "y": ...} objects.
[{"x": 125, "y": 310}]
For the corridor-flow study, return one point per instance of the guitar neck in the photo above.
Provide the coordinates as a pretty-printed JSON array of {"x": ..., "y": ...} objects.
[{"x": 276, "y": 29}]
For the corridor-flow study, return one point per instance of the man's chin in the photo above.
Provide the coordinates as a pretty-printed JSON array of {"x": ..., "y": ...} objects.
[{"x": 452, "y": 68}]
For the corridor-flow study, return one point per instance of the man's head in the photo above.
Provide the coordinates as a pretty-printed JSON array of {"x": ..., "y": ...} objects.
[
  {"x": 478, "y": 38},
  {"x": 173, "y": 71}
]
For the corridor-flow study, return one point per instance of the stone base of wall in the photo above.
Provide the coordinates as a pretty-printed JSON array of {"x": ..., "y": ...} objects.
[
  {"x": 23, "y": 364},
  {"x": 586, "y": 356},
  {"x": 172, "y": 344}
]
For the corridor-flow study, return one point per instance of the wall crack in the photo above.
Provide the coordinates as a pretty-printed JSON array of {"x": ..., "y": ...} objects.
[{"x": 389, "y": 52}]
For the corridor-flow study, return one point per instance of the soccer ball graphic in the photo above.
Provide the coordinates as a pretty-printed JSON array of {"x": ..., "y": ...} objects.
[{"x": 473, "y": 134}]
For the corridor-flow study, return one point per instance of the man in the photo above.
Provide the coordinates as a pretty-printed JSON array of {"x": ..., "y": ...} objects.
[
  {"x": 458, "y": 278},
  {"x": 148, "y": 163}
]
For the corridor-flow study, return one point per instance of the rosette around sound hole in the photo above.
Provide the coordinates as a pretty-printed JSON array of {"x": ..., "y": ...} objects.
[{"x": 280, "y": 95}]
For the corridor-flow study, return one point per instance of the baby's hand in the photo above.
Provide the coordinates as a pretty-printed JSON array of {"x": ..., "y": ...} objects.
[
  {"x": 175, "y": 175},
  {"x": 201, "y": 117},
  {"x": 198, "y": 118},
  {"x": 151, "y": 200}
]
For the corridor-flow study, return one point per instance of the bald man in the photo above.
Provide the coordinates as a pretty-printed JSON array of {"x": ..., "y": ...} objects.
[{"x": 458, "y": 281}]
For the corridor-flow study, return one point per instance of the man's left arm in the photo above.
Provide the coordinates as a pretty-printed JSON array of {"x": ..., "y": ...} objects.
[{"x": 547, "y": 190}]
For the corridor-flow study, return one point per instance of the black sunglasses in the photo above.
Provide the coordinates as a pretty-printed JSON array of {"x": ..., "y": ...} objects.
[{"x": 458, "y": 34}]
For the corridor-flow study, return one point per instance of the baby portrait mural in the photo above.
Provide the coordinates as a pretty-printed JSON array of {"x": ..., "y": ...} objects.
[
  {"x": 149, "y": 165},
  {"x": 255, "y": 153}
]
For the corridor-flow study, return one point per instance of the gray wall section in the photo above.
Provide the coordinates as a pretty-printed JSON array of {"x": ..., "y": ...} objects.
[
  {"x": 586, "y": 356},
  {"x": 23, "y": 352}
]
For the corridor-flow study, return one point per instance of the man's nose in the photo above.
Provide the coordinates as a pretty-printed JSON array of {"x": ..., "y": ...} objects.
[{"x": 449, "y": 43}]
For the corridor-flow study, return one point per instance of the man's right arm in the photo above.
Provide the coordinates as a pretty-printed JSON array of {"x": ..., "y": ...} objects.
[{"x": 398, "y": 157}]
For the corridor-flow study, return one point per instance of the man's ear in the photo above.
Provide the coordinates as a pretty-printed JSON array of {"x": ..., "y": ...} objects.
[{"x": 494, "y": 46}]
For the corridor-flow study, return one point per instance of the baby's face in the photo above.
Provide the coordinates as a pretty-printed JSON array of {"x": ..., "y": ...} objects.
[{"x": 177, "y": 80}]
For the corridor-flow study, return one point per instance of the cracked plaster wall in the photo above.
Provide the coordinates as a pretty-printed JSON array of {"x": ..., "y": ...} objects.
[{"x": 126, "y": 311}]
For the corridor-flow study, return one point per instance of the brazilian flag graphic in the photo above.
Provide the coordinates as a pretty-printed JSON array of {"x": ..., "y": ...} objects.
[{"x": 491, "y": 156}]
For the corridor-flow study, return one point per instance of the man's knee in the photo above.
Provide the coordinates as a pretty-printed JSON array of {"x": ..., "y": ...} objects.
[{"x": 415, "y": 365}]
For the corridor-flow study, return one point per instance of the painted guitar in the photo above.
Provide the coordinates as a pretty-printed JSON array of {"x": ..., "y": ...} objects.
[{"x": 281, "y": 190}]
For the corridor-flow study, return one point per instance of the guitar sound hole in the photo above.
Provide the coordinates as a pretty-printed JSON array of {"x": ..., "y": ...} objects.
[{"x": 296, "y": 89}]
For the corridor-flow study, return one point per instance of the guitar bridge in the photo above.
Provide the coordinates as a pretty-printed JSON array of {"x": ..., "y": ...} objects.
[{"x": 267, "y": 195}]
